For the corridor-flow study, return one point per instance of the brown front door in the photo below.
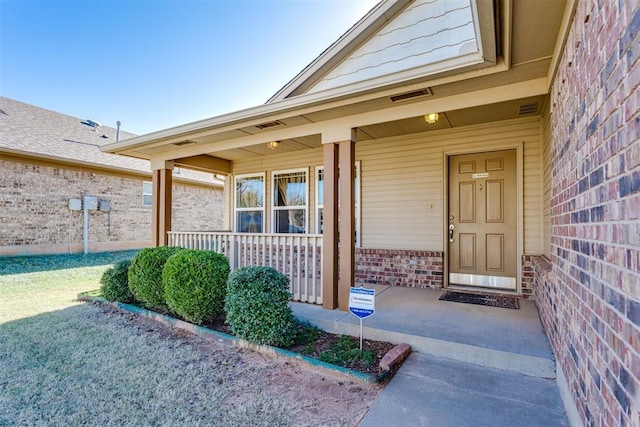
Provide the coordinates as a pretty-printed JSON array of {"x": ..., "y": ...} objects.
[{"x": 482, "y": 222}]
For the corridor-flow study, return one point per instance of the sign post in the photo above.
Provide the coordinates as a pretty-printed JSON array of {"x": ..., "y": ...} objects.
[{"x": 362, "y": 303}]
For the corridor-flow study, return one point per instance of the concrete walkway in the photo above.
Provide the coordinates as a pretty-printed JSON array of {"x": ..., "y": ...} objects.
[{"x": 472, "y": 365}]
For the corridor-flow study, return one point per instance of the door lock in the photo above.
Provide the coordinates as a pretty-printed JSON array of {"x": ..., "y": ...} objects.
[{"x": 451, "y": 228}]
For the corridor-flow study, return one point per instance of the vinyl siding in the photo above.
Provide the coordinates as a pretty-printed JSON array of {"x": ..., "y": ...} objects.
[
  {"x": 403, "y": 181},
  {"x": 427, "y": 32}
]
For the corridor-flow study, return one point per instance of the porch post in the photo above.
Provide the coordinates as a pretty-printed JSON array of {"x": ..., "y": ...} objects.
[
  {"x": 161, "y": 204},
  {"x": 330, "y": 228},
  {"x": 347, "y": 221}
]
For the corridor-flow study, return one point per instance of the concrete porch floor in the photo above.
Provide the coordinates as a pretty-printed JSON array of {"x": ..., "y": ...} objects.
[{"x": 506, "y": 339}]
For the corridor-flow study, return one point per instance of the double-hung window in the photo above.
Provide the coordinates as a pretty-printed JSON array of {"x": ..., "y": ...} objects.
[
  {"x": 147, "y": 193},
  {"x": 320, "y": 199},
  {"x": 249, "y": 203},
  {"x": 290, "y": 201}
]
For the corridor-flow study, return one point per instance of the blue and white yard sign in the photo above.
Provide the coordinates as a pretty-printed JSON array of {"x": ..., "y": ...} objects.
[{"x": 362, "y": 302}]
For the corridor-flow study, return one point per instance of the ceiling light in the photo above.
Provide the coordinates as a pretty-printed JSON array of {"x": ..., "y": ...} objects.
[
  {"x": 431, "y": 118},
  {"x": 273, "y": 144}
]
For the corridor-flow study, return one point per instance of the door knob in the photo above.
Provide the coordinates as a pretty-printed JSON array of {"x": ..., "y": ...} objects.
[{"x": 451, "y": 228}]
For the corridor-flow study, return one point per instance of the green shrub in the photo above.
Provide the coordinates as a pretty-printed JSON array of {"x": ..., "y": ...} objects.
[
  {"x": 114, "y": 283},
  {"x": 145, "y": 275},
  {"x": 195, "y": 283},
  {"x": 257, "y": 306}
]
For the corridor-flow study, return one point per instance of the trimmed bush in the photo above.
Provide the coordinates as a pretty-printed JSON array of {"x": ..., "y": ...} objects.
[
  {"x": 145, "y": 275},
  {"x": 114, "y": 283},
  {"x": 195, "y": 284},
  {"x": 257, "y": 306}
]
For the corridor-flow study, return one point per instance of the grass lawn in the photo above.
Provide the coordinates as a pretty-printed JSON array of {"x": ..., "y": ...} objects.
[{"x": 69, "y": 363}]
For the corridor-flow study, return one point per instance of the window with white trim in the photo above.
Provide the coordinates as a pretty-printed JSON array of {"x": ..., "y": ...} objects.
[
  {"x": 147, "y": 193},
  {"x": 320, "y": 199},
  {"x": 290, "y": 201},
  {"x": 249, "y": 203}
]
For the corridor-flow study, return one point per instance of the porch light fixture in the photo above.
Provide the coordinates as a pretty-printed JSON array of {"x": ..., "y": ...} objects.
[
  {"x": 273, "y": 144},
  {"x": 431, "y": 118}
]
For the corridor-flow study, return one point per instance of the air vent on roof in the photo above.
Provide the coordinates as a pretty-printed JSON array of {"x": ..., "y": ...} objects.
[
  {"x": 410, "y": 95},
  {"x": 527, "y": 108},
  {"x": 91, "y": 123},
  {"x": 269, "y": 124},
  {"x": 180, "y": 144}
]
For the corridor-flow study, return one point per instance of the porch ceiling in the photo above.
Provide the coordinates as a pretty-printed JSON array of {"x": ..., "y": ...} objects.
[{"x": 299, "y": 121}]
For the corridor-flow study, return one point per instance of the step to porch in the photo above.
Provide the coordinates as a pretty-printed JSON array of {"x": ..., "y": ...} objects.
[{"x": 511, "y": 340}]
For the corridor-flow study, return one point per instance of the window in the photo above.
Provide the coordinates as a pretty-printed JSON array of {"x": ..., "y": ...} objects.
[
  {"x": 249, "y": 203},
  {"x": 320, "y": 199},
  {"x": 147, "y": 193},
  {"x": 290, "y": 201}
]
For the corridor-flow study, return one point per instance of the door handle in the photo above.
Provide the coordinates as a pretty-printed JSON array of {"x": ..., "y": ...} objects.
[{"x": 451, "y": 228}]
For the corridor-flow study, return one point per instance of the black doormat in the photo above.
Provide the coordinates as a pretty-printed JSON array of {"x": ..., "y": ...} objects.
[{"x": 490, "y": 300}]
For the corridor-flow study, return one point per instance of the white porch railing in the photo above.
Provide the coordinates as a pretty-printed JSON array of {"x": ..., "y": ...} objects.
[{"x": 298, "y": 256}]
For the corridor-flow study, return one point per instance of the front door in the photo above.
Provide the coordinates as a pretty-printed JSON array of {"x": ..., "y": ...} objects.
[{"x": 482, "y": 222}]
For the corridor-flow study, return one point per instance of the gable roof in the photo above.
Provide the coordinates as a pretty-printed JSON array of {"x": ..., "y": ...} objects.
[
  {"x": 32, "y": 131},
  {"x": 400, "y": 40}
]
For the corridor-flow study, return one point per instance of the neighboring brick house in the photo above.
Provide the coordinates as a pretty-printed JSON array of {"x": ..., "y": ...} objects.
[{"x": 47, "y": 158}]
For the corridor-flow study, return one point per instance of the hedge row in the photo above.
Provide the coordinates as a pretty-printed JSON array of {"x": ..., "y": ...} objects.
[{"x": 196, "y": 285}]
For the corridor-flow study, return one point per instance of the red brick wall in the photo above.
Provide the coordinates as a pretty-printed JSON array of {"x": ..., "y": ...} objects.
[
  {"x": 417, "y": 269},
  {"x": 590, "y": 299}
]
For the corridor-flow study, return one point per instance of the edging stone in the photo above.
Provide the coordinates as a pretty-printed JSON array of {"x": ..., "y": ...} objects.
[{"x": 221, "y": 337}]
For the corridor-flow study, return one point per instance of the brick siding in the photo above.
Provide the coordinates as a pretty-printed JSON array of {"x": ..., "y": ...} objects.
[
  {"x": 416, "y": 269},
  {"x": 34, "y": 214},
  {"x": 589, "y": 296}
]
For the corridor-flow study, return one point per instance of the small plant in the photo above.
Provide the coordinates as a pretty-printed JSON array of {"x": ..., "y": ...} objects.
[
  {"x": 306, "y": 337},
  {"x": 257, "y": 306},
  {"x": 114, "y": 283},
  {"x": 345, "y": 351},
  {"x": 195, "y": 284},
  {"x": 145, "y": 275}
]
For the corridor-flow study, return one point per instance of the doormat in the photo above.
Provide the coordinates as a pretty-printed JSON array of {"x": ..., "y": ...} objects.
[{"x": 490, "y": 300}]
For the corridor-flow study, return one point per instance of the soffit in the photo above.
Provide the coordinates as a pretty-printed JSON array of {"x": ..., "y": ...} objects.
[{"x": 535, "y": 25}]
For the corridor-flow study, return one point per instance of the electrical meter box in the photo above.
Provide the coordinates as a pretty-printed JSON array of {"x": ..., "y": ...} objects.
[
  {"x": 75, "y": 204},
  {"x": 104, "y": 205},
  {"x": 90, "y": 203}
]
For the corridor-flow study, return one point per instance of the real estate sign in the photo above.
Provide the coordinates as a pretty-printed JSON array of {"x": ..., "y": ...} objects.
[{"x": 362, "y": 302}]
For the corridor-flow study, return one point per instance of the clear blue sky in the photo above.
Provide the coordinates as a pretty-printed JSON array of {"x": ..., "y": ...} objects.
[{"x": 154, "y": 64}]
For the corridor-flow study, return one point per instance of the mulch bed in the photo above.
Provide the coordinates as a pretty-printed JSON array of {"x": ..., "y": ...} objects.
[{"x": 489, "y": 300}]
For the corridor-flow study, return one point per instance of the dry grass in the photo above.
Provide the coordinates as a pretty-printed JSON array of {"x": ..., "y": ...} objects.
[{"x": 65, "y": 363}]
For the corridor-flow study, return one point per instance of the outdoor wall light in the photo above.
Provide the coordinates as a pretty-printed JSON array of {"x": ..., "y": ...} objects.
[
  {"x": 431, "y": 118},
  {"x": 273, "y": 144}
]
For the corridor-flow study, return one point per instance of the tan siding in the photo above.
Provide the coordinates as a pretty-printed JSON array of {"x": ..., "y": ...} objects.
[{"x": 402, "y": 183}]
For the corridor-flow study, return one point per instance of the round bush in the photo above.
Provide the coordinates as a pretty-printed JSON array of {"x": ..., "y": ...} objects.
[
  {"x": 195, "y": 284},
  {"x": 114, "y": 283},
  {"x": 257, "y": 306},
  {"x": 145, "y": 275}
]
